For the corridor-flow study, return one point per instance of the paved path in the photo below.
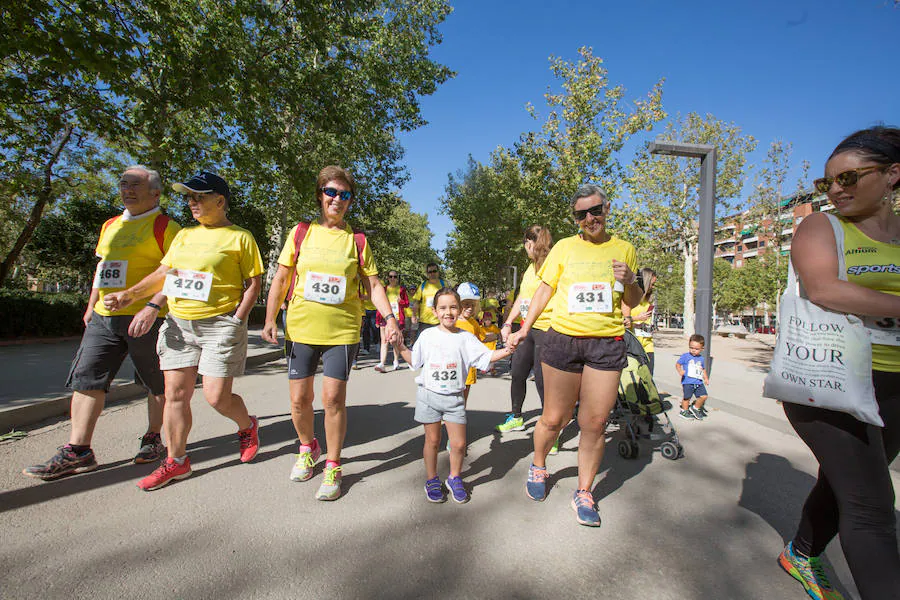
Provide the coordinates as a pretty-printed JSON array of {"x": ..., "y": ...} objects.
[{"x": 707, "y": 526}]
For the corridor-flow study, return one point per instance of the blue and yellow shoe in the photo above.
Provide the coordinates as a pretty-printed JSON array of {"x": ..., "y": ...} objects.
[
  {"x": 511, "y": 423},
  {"x": 809, "y": 572}
]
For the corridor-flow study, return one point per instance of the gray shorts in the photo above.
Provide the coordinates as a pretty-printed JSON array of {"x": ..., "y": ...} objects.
[
  {"x": 432, "y": 407},
  {"x": 217, "y": 346},
  {"x": 302, "y": 360},
  {"x": 104, "y": 346}
]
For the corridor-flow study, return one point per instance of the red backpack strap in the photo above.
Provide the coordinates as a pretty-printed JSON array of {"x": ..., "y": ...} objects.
[
  {"x": 159, "y": 231},
  {"x": 360, "y": 238},
  {"x": 108, "y": 222},
  {"x": 299, "y": 235}
]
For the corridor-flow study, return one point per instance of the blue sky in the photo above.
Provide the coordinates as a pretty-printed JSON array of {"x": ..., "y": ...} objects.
[{"x": 804, "y": 71}]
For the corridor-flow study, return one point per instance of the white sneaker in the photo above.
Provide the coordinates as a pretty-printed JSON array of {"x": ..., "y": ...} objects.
[{"x": 396, "y": 366}]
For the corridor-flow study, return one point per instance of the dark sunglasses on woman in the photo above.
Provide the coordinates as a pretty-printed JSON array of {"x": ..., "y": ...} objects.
[
  {"x": 845, "y": 179},
  {"x": 332, "y": 192}
]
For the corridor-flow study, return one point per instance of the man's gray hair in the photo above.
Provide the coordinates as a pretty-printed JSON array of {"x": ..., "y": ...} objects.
[
  {"x": 154, "y": 182},
  {"x": 585, "y": 190}
]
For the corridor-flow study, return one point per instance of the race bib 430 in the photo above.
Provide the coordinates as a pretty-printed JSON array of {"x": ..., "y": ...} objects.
[{"x": 324, "y": 288}]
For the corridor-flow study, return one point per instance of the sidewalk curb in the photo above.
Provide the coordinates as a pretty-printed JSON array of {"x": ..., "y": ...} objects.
[{"x": 29, "y": 414}]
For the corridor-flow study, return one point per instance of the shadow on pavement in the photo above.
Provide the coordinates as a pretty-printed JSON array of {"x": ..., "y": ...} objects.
[{"x": 775, "y": 490}]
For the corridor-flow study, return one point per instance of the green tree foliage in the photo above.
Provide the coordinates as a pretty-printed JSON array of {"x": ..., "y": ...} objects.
[
  {"x": 663, "y": 209},
  {"x": 266, "y": 93},
  {"x": 587, "y": 123},
  {"x": 400, "y": 238}
]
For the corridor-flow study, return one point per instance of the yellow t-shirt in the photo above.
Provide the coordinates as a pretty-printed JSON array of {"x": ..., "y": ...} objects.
[
  {"x": 585, "y": 303},
  {"x": 876, "y": 265},
  {"x": 488, "y": 330},
  {"x": 228, "y": 254},
  {"x": 129, "y": 248},
  {"x": 510, "y": 298},
  {"x": 327, "y": 256},
  {"x": 644, "y": 337},
  {"x": 530, "y": 284},
  {"x": 425, "y": 297},
  {"x": 473, "y": 327}
]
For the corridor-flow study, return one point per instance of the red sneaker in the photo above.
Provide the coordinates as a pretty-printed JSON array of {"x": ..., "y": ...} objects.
[
  {"x": 249, "y": 441},
  {"x": 167, "y": 472}
]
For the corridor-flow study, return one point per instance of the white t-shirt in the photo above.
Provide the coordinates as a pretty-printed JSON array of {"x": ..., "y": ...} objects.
[{"x": 445, "y": 359}]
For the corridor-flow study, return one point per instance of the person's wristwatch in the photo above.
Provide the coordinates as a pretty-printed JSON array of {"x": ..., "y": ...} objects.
[{"x": 156, "y": 306}]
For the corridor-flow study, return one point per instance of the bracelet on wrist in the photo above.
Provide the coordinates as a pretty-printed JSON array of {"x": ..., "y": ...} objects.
[
  {"x": 389, "y": 316},
  {"x": 156, "y": 306},
  {"x": 507, "y": 325}
]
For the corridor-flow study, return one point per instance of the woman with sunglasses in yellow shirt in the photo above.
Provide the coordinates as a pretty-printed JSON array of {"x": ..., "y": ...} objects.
[
  {"x": 328, "y": 266},
  {"x": 583, "y": 353},
  {"x": 854, "y": 495}
]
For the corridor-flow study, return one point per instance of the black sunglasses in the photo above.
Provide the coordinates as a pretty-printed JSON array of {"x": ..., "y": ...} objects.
[
  {"x": 332, "y": 192},
  {"x": 598, "y": 210},
  {"x": 393, "y": 277},
  {"x": 845, "y": 179}
]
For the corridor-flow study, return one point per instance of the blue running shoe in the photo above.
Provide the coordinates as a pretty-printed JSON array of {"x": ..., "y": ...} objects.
[
  {"x": 434, "y": 491},
  {"x": 536, "y": 486},
  {"x": 457, "y": 490},
  {"x": 585, "y": 509}
]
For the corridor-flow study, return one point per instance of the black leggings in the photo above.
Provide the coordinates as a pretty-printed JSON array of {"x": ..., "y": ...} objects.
[
  {"x": 854, "y": 494},
  {"x": 526, "y": 358}
]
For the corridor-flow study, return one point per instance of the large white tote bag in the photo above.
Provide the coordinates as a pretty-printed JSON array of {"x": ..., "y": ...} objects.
[{"x": 822, "y": 358}]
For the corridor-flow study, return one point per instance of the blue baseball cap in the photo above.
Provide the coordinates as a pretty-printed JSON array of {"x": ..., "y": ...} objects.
[{"x": 204, "y": 183}]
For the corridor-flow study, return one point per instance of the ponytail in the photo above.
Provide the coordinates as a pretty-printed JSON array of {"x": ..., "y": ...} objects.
[{"x": 543, "y": 241}]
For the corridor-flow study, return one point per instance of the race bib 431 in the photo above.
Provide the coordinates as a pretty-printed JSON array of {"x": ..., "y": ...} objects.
[{"x": 590, "y": 297}]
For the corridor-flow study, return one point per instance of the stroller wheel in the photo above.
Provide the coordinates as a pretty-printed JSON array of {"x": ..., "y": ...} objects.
[
  {"x": 628, "y": 449},
  {"x": 670, "y": 450}
]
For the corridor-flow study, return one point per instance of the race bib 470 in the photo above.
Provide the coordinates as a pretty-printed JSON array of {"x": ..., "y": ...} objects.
[{"x": 187, "y": 284}]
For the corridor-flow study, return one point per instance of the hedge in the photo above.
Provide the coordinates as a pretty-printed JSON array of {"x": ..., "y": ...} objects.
[
  {"x": 38, "y": 314},
  {"x": 26, "y": 314}
]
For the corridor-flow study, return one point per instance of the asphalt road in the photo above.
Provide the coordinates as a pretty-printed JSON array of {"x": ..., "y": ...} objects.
[{"x": 709, "y": 525}]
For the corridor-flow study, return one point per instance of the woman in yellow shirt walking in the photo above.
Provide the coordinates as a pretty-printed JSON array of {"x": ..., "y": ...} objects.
[
  {"x": 328, "y": 264},
  {"x": 588, "y": 276},
  {"x": 211, "y": 279}
]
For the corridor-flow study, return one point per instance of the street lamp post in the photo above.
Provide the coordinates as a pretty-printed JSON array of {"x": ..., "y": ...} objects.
[{"x": 705, "y": 238}]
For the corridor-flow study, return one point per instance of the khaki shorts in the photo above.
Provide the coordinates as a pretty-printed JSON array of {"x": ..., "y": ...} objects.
[{"x": 217, "y": 346}]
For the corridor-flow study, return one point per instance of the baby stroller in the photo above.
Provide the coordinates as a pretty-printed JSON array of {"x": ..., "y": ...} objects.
[{"x": 639, "y": 411}]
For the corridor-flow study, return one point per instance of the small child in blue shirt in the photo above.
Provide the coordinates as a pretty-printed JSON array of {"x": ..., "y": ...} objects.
[{"x": 692, "y": 369}]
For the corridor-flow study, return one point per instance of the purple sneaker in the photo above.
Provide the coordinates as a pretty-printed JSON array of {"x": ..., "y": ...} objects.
[
  {"x": 457, "y": 490},
  {"x": 434, "y": 491}
]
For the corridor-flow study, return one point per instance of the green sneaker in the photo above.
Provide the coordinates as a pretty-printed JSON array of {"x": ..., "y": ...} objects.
[
  {"x": 554, "y": 449},
  {"x": 512, "y": 423},
  {"x": 809, "y": 572},
  {"x": 331, "y": 484}
]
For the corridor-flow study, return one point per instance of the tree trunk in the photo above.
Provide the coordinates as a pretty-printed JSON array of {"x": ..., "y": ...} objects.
[
  {"x": 42, "y": 198},
  {"x": 688, "y": 254}
]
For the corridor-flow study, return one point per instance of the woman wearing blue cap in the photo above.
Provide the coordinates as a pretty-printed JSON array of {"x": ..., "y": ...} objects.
[{"x": 211, "y": 278}]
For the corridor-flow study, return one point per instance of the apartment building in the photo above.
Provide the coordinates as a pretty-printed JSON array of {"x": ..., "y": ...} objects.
[{"x": 739, "y": 238}]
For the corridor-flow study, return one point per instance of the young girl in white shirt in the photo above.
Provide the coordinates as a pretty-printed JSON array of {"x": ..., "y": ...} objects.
[{"x": 444, "y": 354}]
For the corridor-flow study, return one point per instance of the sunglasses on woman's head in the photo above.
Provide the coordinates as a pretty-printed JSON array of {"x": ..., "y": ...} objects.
[
  {"x": 332, "y": 192},
  {"x": 598, "y": 210},
  {"x": 845, "y": 179}
]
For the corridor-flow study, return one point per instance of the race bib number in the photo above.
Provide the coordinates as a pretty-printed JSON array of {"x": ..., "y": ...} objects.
[
  {"x": 325, "y": 289},
  {"x": 523, "y": 308},
  {"x": 443, "y": 377},
  {"x": 641, "y": 333},
  {"x": 591, "y": 297},
  {"x": 395, "y": 307},
  {"x": 187, "y": 284},
  {"x": 429, "y": 301},
  {"x": 694, "y": 370},
  {"x": 111, "y": 274},
  {"x": 884, "y": 330}
]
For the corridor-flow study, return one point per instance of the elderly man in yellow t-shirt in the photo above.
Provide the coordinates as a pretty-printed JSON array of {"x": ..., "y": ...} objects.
[{"x": 129, "y": 248}]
